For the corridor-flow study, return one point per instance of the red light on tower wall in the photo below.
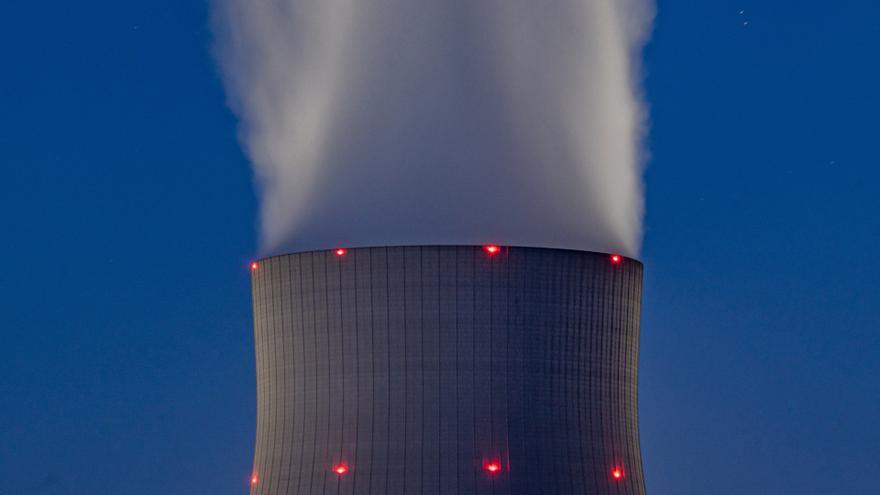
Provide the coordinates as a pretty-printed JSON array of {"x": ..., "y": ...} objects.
[
  {"x": 616, "y": 259},
  {"x": 340, "y": 252},
  {"x": 493, "y": 467},
  {"x": 492, "y": 249},
  {"x": 254, "y": 479},
  {"x": 617, "y": 473},
  {"x": 340, "y": 469},
  {"x": 254, "y": 265}
]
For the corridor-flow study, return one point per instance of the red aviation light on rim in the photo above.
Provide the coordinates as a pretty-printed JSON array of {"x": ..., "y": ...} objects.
[
  {"x": 254, "y": 266},
  {"x": 340, "y": 252},
  {"x": 492, "y": 249},
  {"x": 617, "y": 473},
  {"x": 254, "y": 480},
  {"x": 492, "y": 467},
  {"x": 340, "y": 469},
  {"x": 616, "y": 259}
]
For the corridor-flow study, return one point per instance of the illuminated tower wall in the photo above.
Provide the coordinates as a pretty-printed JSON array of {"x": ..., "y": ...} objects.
[{"x": 447, "y": 370}]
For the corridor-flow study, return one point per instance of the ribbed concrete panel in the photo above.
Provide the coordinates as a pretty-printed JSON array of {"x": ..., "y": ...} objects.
[{"x": 417, "y": 367}]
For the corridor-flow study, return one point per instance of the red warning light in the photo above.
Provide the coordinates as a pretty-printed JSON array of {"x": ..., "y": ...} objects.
[
  {"x": 492, "y": 249},
  {"x": 254, "y": 480},
  {"x": 340, "y": 252},
  {"x": 254, "y": 265},
  {"x": 617, "y": 473},
  {"x": 494, "y": 467},
  {"x": 340, "y": 469},
  {"x": 616, "y": 259}
]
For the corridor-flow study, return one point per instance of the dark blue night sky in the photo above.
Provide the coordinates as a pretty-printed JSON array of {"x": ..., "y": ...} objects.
[{"x": 128, "y": 213}]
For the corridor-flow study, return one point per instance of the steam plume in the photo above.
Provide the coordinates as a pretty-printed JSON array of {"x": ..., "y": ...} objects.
[{"x": 377, "y": 122}]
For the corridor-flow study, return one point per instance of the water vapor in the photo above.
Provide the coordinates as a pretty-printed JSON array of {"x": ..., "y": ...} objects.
[{"x": 387, "y": 122}]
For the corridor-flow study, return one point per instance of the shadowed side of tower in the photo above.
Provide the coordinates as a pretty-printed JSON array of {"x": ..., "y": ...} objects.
[{"x": 447, "y": 370}]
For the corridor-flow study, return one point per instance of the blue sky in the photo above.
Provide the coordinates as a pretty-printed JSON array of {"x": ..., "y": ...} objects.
[{"x": 128, "y": 214}]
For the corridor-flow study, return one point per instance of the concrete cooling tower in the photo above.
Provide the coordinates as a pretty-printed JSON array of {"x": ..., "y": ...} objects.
[{"x": 447, "y": 370}]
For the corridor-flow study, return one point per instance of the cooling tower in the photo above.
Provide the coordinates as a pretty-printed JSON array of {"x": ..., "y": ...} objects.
[{"x": 447, "y": 370}]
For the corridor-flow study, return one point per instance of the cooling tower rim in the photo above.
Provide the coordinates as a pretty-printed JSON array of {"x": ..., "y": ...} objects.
[{"x": 347, "y": 249}]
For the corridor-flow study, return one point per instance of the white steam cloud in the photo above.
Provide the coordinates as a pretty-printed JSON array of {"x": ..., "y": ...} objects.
[{"x": 387, "y": 122}]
